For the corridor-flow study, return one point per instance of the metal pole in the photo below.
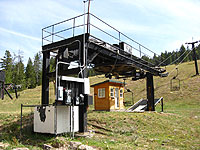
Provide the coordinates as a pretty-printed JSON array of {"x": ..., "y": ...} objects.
[
  {"x": 70, "y": 118},
  {"x": 42, "y": 37},
  {"x": 73, "y": 121},
  {"x": 194, "y": 56},
  {"x": 88, "y": 19},
  {"x": 52, "y": 32},
  {"x": 195, "y": 59},
  {"x": 162, "y": 104},
  {"x": 150, "y": 92},
  {"x": 21, "y": 121},
  {"x": 73, "y": 26},
  {"x": 84, "y": 38},
  {"x": 132, "y": 98},
  {"x": 119, "y": 38}
]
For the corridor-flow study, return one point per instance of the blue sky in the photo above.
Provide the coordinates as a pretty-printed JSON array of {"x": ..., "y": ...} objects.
[{"x": 161, "y": 25}]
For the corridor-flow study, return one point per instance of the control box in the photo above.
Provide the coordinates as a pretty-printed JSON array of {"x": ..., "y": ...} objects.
[
  {"x": 56, "y": 119},
  {"x": 73, "y": 91}
]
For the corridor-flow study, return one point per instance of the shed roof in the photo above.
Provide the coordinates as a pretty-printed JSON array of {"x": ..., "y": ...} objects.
[{"x": 111, "y": 81}]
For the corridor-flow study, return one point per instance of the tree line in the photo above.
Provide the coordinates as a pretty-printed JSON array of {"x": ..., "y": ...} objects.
[
  {"x": 31, "y": 75},
  {"x": 16, "y": 72},
  {"x": 173, "y": 57}
]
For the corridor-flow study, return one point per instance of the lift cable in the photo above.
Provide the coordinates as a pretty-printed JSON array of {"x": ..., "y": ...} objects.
[
  {"x": 177, "y": 58},
  {"x": 166, "y": 59},
  {"x": 173, "y": 69},
  {"x": 180, "y": 61}
]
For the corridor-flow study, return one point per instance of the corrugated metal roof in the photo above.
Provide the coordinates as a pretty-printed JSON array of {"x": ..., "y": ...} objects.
[{"x": 111, "y": 81}]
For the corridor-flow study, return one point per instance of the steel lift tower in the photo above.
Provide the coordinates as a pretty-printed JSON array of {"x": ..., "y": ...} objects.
[{"x": 75, "y": 51}]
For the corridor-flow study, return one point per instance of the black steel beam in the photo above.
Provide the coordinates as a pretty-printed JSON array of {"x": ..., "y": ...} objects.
[
  {"x": 83, "y": 108},
  {"x": 195, "y": 59},
  {"x": 63, "y": 43},
  {"x": 150, "y": 92},
  {"x": 45, "y": 79},
  {"x": 112, "y": 55},
  {"x": 194, "y": 56}
]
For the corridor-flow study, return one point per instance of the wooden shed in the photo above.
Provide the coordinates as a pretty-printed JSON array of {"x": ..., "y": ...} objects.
[{"x": 109, "y": 95}]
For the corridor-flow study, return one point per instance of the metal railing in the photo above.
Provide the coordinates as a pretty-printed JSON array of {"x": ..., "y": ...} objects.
[{"x": 96, "y": 27}]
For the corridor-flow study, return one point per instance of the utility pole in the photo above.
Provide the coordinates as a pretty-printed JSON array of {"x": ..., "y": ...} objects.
[{"x": 194, "y": 56}]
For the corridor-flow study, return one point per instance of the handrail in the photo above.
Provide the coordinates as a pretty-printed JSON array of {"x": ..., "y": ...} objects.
[
  {"x": 64, "y": 21},
  {"x": 48, "y": 36},
  {"x": 123, "y": 34},
  {"x": 104, "y": 31}
]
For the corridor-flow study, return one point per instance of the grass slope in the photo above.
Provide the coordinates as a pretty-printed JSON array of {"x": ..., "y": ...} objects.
[{"x": 176, "y": 128}]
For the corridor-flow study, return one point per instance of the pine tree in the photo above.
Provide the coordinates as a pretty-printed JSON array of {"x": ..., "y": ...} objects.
[
  {"x": 183, "y": 52},
  {"x": 38, "y": 69},
  {"x": 7, "y": 66},
  {"x": 18, "y": 71},
  {"x": 198, "y": 51},
  {"x": 30, "y": 75}
]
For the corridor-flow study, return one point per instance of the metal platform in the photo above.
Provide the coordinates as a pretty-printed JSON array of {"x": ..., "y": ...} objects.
[
  {"x": 104, "y": 57},
  {"x": 106, "y": 53}
]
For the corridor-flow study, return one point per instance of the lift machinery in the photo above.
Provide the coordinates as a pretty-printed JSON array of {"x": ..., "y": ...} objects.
[{"x": 72, "y": 46}]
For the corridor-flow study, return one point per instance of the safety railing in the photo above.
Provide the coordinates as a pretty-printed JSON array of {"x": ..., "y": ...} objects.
[{"x": 89, "y": 23}]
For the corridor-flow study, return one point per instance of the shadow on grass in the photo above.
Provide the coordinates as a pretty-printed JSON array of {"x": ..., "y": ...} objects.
[{"x": 10, "y": 133}]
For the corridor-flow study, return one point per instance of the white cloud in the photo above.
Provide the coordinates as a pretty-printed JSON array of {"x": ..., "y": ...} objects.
[
  {"x": 19, "y": 34},
  {"x": 158, "y": 24}
]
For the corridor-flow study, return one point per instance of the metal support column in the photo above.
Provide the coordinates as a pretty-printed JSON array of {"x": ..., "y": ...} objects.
[
  {"x": 83, "y": 118},
  {"x": 150, "y": 92},
  {"x": 83, "y": 110},
  {"x": 195, "y": 56},
  {"x": 195, "y": 59},
  {"x": 84, "y": 74},
  {"x": 45, "y": 79}
]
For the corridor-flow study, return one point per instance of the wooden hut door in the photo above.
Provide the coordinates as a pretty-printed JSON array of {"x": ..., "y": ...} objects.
[{"x": 116, "y": 97}]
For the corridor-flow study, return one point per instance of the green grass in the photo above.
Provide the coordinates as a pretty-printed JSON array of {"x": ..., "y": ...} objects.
[{"x": 177, "y": 128}]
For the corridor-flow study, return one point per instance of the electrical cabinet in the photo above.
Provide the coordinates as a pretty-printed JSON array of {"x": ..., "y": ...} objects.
[
  {"x": 56, "y": 119},
  {"x": 63, "y": 117},
  {"x": 72, "y": 91}
]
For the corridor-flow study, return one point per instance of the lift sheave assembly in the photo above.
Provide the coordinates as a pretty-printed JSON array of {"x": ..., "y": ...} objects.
[{"x": 69, "y": 112}]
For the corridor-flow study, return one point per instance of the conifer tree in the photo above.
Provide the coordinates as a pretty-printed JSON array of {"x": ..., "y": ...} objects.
[
  {"x": 18, "y": 70},
  {"x": 182, "y": 52},
  {"x": 7, "y": 66},
  {"x": 38, "y": 69},
  {"x": 30, "y": 75}
]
